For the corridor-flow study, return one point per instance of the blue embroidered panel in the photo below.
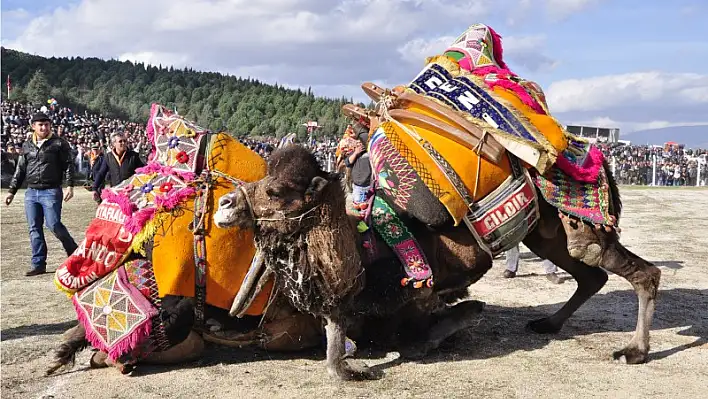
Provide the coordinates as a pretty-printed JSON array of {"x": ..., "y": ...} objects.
[{"x": 463, "y": 95}]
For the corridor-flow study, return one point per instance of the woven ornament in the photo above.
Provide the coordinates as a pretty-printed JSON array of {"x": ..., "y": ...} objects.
[{"x": 176, "y": 140}]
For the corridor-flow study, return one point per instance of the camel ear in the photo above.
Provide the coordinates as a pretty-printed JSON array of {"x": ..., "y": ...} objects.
[
  {"x": 316, "y": 186},
  {"x": 334, "y": 176}
]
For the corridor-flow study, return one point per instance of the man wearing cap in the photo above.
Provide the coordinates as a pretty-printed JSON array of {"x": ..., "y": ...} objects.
[{"x": 44, "y": 162}]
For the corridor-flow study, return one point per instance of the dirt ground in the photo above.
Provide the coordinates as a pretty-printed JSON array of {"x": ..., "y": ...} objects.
[{"x": 495, "y": 359}]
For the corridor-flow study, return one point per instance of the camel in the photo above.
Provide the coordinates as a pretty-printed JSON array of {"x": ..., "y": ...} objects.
[
  {"x": 311, "y": 245},
  {"x": 298, "y": 215}
]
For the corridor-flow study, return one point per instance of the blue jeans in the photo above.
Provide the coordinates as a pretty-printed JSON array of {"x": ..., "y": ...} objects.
[
  {"x": 359, "y": 193},
  {"x": 44, "y": 206}
]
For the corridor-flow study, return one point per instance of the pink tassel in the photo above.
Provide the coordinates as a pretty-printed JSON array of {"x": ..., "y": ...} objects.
[
  {"x": 520, "y": 92},
  {"x": 136, "y": 222},
  {"x": 131, "y": 342},
  {"x": 171, "y": 200},
  {"x": 150, "y": 129},
  {"x": 504, "y": 81},
  {"x": 498, "y": 50},
  {"x": 588, "y": 171},
  {"x": 122, "y": 201},
  {"x": 486, "y": 70},
  {"x": 155, "y": 167}
]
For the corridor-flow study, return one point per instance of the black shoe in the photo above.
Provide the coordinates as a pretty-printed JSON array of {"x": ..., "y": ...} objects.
[
  {"x": 35, "y": 272},
  {"x": 509, "y": 274},
  {"x": 554, "y": 278}
]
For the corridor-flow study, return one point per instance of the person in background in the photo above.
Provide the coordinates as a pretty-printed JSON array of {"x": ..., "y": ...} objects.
[
  {"x": 512, "y": 265},
  {"x": 44, "y": 162},
  {"x": 360, "y": 166},
  {"x": 95, "y": 158},
  {"x": 120, "y": 163}
]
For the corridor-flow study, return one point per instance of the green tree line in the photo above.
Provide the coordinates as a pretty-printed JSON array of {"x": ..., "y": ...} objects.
[{"x": 123, "y": 89}]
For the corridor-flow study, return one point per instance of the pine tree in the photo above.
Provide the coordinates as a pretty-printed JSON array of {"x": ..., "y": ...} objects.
[{"x": 37, "y": 91}]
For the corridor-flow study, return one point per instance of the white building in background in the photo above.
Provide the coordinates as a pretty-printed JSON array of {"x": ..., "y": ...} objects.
[{"x": 595, "y": 134}]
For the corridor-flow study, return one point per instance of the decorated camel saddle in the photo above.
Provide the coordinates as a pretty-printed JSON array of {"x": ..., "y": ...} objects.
[
  {"x": 153, "y": 237},
  {"x": 481, "y": 140}
]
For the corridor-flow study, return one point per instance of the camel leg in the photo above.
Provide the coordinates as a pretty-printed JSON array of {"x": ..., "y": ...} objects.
[
  {"x": 189, "y": 349},
  {"x": 596, "y": 246},
  {"x": 644, "y": 278},
  {"x": 452, "y": 320},
  {"x": 186, "y": 351},
  {"x": 548, "y": 241},
  {"x": 292, "y": 333},
  {"x": 337, "y": 366}
]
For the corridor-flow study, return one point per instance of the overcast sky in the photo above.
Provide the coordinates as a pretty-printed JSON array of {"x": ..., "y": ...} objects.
[{"x": 633, "y": 64}]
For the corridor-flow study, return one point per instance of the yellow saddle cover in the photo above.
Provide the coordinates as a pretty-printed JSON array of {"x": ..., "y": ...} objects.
[
  {"x": 478, "y": 175},
  {"x": 545, "y": 124},
  {"x": 228, "y": 251},
  {"x": 463, "y": 162}
]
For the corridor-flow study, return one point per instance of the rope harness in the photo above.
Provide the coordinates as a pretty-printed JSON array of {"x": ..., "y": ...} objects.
[{"x": 198, "y": 230}]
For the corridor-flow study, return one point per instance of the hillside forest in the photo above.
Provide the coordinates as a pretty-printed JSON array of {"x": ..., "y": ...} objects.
[{"x": 125, "y": 90}]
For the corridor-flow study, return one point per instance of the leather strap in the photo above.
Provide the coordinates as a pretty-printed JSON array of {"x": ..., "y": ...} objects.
[{"x": 448, "y": 123}]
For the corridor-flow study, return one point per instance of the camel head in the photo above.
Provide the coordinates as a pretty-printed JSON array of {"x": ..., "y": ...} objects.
[
  {"x": 286, "y": 201},
  {"x": 298, "y": 214}
]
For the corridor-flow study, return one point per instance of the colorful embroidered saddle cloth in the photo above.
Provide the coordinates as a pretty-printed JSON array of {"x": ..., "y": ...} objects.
[
  {"x": 535, "y": 138},
  {"x": 157, "y": 204},
  {"x": 483, "y": 189},
  {"x": 453, "y": 172},
  {"x": 397, "y": 236},
  {"x": 121, "y": 314},
  {"x": 125, "y": 219},
  {"x": 116, "y": 315},
  {"x": 470, "y": 89},
  {"x": 580, "y": 188}
]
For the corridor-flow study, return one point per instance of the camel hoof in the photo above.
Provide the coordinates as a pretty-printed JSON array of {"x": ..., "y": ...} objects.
[
  {"x": 355, "y": 370},
  {"x": 630, "y": 355},
  {"x": 98, "y": 360},
  {"x": 55, "y": 366},
  {"x": 543, "y": 326}
]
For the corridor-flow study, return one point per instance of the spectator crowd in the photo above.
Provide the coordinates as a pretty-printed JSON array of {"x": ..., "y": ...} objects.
[
  {"x": 83, "y": 132},
  {"x": 324, "y": 148},
  {"x": 675, "y": 165},
  {"x": 86, "y": 133}
]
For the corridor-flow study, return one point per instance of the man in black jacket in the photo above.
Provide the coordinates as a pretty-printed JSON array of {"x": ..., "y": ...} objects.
[
  {"x": 120, "y": 163},
  {"x": 44, "y": 162}
]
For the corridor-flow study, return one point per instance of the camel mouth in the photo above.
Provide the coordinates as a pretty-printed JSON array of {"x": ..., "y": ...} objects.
[{"x": 225, "y": 218}]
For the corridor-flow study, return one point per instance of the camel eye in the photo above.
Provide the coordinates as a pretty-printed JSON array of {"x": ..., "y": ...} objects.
[{"x": 274, "y": 192}]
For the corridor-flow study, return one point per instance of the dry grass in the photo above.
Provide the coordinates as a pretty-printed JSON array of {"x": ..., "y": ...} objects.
[{"x": 496, "y": 359}]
